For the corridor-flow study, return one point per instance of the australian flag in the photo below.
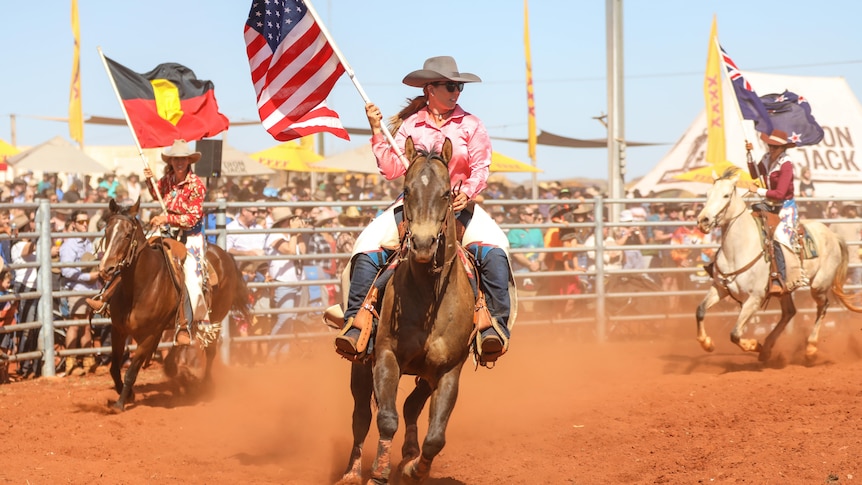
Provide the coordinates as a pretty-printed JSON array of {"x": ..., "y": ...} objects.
[{"x": 791, "y": 114}]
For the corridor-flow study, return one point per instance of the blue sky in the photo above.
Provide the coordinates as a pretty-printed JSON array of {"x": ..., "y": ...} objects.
[{"x": 665, "y": 55}]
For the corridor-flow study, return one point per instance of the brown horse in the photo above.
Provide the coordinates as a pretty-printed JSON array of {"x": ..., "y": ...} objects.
[
  {"x": 426, "y": 320},
  {"x": 147, "y": 297}
]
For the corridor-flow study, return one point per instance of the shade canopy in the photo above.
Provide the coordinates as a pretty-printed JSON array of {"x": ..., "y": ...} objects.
[
  {"x": 291, "y": 157},
  {"x": 6, "y": 151},
  {"x": 502, "y": 163},
  {"x": 56, "y": 155}
]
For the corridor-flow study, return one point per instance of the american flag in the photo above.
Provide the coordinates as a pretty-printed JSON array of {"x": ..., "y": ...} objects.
[
  {"x": 750, "y": 105},
  {"x": 293, "y": 69}
]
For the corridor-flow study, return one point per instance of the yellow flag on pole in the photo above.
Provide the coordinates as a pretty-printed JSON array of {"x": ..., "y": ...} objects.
[
  {"x": 531, "y": 102},
  {"x": 716, "y": 142},
  {"x": 76, "y": 116}
]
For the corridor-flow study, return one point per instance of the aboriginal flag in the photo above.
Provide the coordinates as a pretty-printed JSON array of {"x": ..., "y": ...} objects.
[{"x": 167, "y": 104}]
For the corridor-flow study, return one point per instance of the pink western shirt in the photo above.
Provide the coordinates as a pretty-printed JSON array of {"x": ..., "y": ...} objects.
[{"x": 471, "y": 148}]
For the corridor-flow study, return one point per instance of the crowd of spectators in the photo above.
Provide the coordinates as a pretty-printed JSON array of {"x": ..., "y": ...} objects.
[{"x": 270, "y": 242}]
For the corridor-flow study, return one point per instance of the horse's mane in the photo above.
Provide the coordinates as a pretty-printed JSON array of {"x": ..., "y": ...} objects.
[{"x": 728, "y": 173}]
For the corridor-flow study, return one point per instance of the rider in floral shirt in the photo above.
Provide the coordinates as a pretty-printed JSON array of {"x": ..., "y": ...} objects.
[{"x": 183, "y": 193}]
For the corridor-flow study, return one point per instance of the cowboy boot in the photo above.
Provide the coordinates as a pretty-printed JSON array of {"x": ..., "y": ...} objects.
[
  {"x": 184, "y": 321},
  {"x": 99, "y": 303},
  {"x": 776, "y": 277},
  {"x": 359, "y": 304},
  {"x": 494, "y": 270}
]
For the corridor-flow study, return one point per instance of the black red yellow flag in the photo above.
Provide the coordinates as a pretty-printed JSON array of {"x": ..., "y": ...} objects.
[{"x": 167, "y": 104}]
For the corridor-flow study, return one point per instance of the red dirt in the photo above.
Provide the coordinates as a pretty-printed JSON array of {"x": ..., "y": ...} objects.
[{"x": 556, "y": 410}]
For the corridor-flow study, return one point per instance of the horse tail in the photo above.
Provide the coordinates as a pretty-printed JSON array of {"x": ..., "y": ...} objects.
[{"x": 841, "y": 277}]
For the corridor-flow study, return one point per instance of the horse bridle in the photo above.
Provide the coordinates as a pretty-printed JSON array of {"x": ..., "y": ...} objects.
[
  {"x": 727, "y": 278},
  {"x": 720, "y": 214},
  {"x": 405, "y": 246},
  {"x": 133, "y": 249}
]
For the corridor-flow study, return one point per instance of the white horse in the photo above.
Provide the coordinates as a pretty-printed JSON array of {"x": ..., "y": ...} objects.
[{"x": 741, "y": 269}]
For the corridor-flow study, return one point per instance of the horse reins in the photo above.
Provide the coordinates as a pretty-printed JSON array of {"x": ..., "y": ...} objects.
[
  {"x": 443, "y": 224},
  {"x": 727, "y": 278}
]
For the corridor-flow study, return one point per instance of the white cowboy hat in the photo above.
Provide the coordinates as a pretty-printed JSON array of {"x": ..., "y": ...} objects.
[
  {"x": 440, "y": 68},
  {"x": 180, "y": 148}
]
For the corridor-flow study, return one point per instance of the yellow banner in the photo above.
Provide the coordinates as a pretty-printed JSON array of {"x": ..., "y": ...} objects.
[
  {"x": 76, "y": 116},
  {"x": 716, "y": 144},
  {"x": 531, "y": 102}
]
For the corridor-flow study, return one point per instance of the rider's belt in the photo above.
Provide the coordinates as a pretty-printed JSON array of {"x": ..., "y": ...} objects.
[
  {"x": 774, "y": 203},
  {"x": 194, "y": 230}
]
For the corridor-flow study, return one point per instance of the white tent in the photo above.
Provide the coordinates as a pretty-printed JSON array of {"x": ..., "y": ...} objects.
[{"x": 834, "y": 168}]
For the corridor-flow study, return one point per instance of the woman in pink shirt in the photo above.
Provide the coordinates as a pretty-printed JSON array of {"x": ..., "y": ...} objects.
[{"x": 430, "y": 119}]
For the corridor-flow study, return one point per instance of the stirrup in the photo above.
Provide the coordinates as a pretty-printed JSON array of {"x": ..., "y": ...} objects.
[
  {"x": 346, "y": 342},
  {"x": 98, "y": 306},
  {"x": 182, "y": 336},
  {"x": 491, "y": 344}
]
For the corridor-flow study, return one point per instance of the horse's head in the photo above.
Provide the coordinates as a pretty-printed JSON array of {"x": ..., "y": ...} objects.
[
  {"x": 123, "y": 233},
  {"x": 427, "y": 198},
  {"x": 721, "y": 198}
]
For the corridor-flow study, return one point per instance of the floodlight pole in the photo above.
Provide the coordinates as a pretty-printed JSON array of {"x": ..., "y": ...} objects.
[{"x": 616, "y": 116}]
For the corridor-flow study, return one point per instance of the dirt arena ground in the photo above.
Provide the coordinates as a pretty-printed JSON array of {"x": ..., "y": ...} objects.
[{"x": 559, "y": 409}]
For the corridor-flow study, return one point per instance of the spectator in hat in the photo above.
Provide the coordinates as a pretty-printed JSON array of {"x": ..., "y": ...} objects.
[
  {"x": 631, "y": 235},
  {"x": 563, "y": 284},
  {"x": 581, "y": 215},
  {"x": 287, "y": 241},
  {"x": 527, "y": 262},
  {"x": 428, "y": 120},
  {"x": 350, "y": 218},
  {"x": 322, "y": 242},
  {"x": 78, "y": 278}
]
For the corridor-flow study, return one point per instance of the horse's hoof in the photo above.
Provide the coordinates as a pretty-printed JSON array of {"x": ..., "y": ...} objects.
[
  {"x": 350, "y": 479},
  {"x": 707, "y": 344},
  {"x": 115, "y": 407},
  {"x": 810, "y": 352}
]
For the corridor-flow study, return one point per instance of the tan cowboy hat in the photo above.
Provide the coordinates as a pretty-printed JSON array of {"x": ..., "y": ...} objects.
[
  {"x": 324, "y": 215},
  {"x": 181, "y": 148},
  {"x": 440, "y": 68},
  {"x": 776, "y": 138},
  {"x": 582, "y": 210},
  {"x": 279, "y": 214},
  {"x": 351, "y": 217}
]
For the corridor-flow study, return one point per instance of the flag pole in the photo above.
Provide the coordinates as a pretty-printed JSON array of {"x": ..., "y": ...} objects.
[
  {"x": 129, "y": 124},
  {"x": 352, "y": 75},
  {"x": 746, "y": 128}
]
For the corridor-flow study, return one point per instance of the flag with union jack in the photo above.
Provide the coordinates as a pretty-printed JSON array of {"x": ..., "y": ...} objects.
[
  {"x": 750, "y": 104},
  {"x": 791, "y": 114},
  {"x": 293, "y": 69}
]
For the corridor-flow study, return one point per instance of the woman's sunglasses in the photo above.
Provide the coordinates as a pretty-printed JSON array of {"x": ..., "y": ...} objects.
[{"x": 451, "y": 86}]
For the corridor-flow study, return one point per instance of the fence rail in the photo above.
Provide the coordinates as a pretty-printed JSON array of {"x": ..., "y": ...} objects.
[{"x": 598, "y": 308}]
